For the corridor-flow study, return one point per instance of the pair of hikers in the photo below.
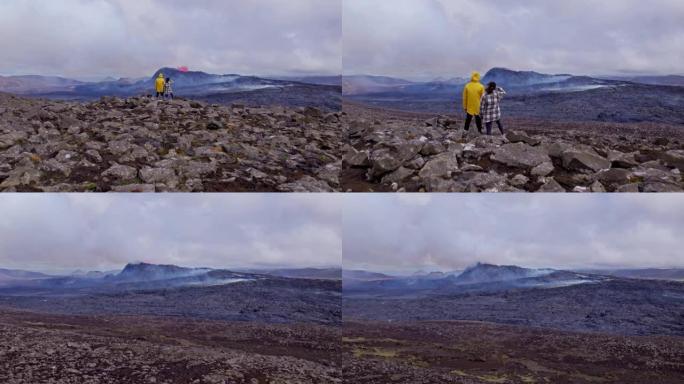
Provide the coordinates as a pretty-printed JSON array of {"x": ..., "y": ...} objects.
[
  {"x": 164, "y": 87},
  {"x": 482, "y": 104}
]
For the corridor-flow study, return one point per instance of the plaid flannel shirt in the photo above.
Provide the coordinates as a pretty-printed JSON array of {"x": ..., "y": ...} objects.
[
  {"x": 168, "y": 87},
  {"x": 490, "y": 105}
]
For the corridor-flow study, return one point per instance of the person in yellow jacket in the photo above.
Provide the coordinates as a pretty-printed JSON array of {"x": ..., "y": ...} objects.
[
  {"x": 472, "y": 94},
  {"x": 159, "y": 85}
]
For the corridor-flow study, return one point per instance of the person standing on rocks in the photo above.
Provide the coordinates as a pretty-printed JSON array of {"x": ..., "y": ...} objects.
[
  {"x": 472, "y": 94},
  {"x": 159, "y": 85},
  {"x": 168, "y": 89},
  {"x": 491, "y": 107}
]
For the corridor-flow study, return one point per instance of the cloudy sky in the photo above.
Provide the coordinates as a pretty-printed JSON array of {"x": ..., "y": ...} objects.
[
  {"x": 407, "y": 233},
  {"x": 64, "y": 232},
  {"x": 133, "y": 38},
  {"x": 422, "y": 38}
]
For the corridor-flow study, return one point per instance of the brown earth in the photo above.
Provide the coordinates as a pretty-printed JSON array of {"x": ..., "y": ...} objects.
[
  {"x": 42, "y": 348},
  {"x": 476, "y": 352}
]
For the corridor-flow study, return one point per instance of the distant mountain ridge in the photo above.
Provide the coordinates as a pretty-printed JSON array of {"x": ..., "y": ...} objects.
[
  {"x": 481, "y": 277},
  {"x": 302, "y": 91},
  {"x": 557, "y": 97},
  {"x": 142, "y": 275},
  {"x": 17, "y": 275},
  {"x": 483, "y": 273},
  {"x": 27, "y": 84},
  {"x": 521, "y": 78},
  {"x": 145, "y": 271},
  {"x": 518, "y": 81}
]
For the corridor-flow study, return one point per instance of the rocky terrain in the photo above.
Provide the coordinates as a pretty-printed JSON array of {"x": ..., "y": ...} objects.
[
  {"x": 153, "y": 323},
  {"x": 61, "y": 349},
  {"x": 479, "y": 353},
  {"x": 621, "y": 306},
  {"x": 139, "y": 144},
  {"x": 403, "y": 151},
  {"x": 165, "y": 290}
]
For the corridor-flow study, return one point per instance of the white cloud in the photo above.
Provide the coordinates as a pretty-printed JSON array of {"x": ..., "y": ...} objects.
[
  {"x": 456, "y": 230},
  {"x": 78, "y": 231},
  {"x": 414, "y": 38},
  {"x": 82, "y": 38}
]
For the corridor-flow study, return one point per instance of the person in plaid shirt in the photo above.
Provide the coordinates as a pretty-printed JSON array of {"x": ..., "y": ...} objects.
[
  {"x": 490, "y": 107},
  {"x": 168, "y": 89}
]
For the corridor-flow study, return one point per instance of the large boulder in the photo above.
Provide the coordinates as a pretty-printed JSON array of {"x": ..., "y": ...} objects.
[
  {"x": 354, "y": 158},
  {"x": 543, "y": 169},
  {"x": 432, "y": 148},
  {"x": 674, "y": 158},
  {"x": 521, "y": 137},
  {"x": 159, "y": 175},
  {"x": 519, "y": 155},
  {"x": 119, "y": 172},
  {"x": 551, "y": 185},
  {"x": 383, "y": 161},
  {"x": 622, "y": 160},
  {"x": 614, "y": 176},
  {"x": 306, "y": 184},
  {"x": 584, "y": 161},
  {"x": 398, "y": 176},
  {"x": 392, "y": 156},
  {"x": 484, "y": 182},
  {"x": 443, "y": 166},
  {"x": 661, "y": 187}
]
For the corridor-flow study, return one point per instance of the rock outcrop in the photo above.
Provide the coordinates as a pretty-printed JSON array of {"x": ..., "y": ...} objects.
[
  {"x": 142, "y": 144},
  {"x": 435, "y": 156}
]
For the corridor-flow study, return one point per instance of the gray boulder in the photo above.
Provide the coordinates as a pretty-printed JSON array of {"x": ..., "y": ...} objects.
[
  {"x": 354, "y": 158},
  {"x": 674, "y": 158},
  {"x": 551, "y": 185},
  {"x": 443, "y": 166},
  {"x": 306, "y": 184},
  {"x": 118, "y": 172},
  {"x": 521, "y": 137},
  {"x": 520, "y": 155},
  {"x": 582, "y": 161}
]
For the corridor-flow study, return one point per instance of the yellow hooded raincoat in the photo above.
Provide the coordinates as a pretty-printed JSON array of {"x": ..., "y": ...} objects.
[
  {"x": 472, "y": 94},
  {"x": 159, "y": 83}
]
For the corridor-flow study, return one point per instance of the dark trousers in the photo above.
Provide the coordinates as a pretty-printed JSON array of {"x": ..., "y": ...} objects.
[
  {"x": 489, "y": 127},
  {"x": 478, "y": 122},
  {"x": 160, "y": 94}
]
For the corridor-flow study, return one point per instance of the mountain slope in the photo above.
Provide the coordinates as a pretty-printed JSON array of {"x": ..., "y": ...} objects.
[
  {"x": 487, "y": 273},
  {"x": 478, "y": 278},
  {"x": 148, "y": 272},
  {"x": 363, "y": 84},
  {"x": 507, "y": 77},
  {"x": 23, "y": 85},
  {"x": 15, "y": 276}
]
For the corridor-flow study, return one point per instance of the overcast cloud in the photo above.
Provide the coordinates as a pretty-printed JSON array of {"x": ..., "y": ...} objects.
[
  {"x": 408, "y": 233},
  {"x": 422, "y": 38},
  {"x": 133, "y": 38},
  {"x": 64, "y": 232}
]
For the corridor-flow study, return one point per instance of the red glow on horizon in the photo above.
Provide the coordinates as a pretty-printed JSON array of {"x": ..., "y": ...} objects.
[{"x": 183, "y": 68}]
